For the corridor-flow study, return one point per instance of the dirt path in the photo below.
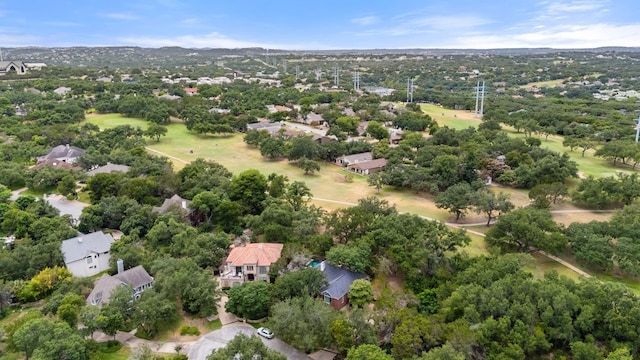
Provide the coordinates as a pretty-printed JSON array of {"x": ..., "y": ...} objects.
[{"x": 167, "y": 155}]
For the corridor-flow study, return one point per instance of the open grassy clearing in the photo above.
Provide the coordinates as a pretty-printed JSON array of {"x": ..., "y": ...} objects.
[
  {"x": 543, "y": 264},
  {"x": 231, "y": 151},
  {"x": 541, "y": 84},
  {"x": 329, "y": 186}
]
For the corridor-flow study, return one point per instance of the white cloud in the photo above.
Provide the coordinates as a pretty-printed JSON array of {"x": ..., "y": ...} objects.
[
  {"x": 563, "y": 36},
  {"x": 365, "y": 20},
  {"x": 563, "y": 9},
  {"x": 121, "y": 16},
  {"x": 407, "y": 25},
  {"x": 212, "y": 40},
  {"x": 12, "y": 40},
  {"x": 190, "y": 21}
]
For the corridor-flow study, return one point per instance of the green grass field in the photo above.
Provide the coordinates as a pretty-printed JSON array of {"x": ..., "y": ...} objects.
[
  {"x": 328, "y": 186},
  {"x": 541, "y": 84}
]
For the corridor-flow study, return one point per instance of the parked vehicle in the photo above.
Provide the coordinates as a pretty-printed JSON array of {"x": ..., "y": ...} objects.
[{"x": 264, "y": 332}]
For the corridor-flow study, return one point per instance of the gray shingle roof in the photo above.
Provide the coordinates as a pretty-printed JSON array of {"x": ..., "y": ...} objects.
[
  {"x": 102, "y": 290},
  {"x": 63, "y": 151},
  {"x": 80, "y": 247},
  {"x": 106, "y": 284},
  {"x": 135, "y": 277},
  {"x": 174, "y": 200},
  {"x": 109, "y": 168},
  {"x": 339, "y": 280},
  {"x": 356, "y": 158}
]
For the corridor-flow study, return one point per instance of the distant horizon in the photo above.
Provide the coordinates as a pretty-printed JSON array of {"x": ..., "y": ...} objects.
[
  {"x": 605, "y": 47},
  {"x": 329, "y": 25}
]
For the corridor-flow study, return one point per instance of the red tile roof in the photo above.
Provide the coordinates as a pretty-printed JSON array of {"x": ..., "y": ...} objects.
[{"x": 261, "y": 254}]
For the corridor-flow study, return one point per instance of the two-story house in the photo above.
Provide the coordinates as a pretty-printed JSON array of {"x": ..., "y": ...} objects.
[
  {"x": 137, "y": 278},
  {"x": 87, "y": 255},
  {"x": 249, "y": 262}
]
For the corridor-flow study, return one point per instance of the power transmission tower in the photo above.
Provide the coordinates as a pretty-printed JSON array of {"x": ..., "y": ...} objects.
[
  {"x": 356, "y": 81},
  {"x": 409, "y": 90},
  {"x": 297, "y": 71},
  {"x": 336, "y": 77},
  {"x": 318, "y": 74},
  {"x": 475, "y": 113}
]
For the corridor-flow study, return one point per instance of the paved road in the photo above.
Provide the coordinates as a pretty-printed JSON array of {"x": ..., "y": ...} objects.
[
  {"x": 306, "y": 128},
  {"x": 66, "y": 207},
  {"x": 219, "y": 338}
]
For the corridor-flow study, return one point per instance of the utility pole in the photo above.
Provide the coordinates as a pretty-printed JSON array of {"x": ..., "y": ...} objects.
[
  {"x": 638, "y": 129},
  {"x": 409, "y": 90},
  {"x": 475, "y": 113},
  {"x": 482, "y": 101},
  {"x": 356, "y": 81}
]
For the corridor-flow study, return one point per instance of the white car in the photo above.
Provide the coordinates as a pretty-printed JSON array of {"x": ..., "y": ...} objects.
[{"x": 264, "y": 332}]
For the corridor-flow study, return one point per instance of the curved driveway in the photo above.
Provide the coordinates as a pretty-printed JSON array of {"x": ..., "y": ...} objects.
[{"x": 219, "y": 338}]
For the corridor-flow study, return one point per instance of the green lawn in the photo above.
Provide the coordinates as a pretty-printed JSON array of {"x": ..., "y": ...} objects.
[
  {"x": 543, "y": 264},
  {"x": 122, "y": 354},
  {"x": 329, "y": 186},
  {"x": 547, "y": 83}
]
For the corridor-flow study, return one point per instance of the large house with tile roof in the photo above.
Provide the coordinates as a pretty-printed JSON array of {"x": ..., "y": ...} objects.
[{"x": 249, "y": 262}]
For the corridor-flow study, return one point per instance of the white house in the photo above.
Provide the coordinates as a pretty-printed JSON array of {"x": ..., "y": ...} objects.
[{"x": 87, "y": 255}]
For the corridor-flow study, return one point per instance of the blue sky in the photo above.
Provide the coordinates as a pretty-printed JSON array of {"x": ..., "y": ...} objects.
[{"x": 328, "y": 24}]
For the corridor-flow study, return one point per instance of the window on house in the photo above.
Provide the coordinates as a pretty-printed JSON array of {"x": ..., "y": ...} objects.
[
  {"x": 89, "y": 259},
  {"x": 263, "y": 269},
  {"x": 249, "y": 267},
  {"x": 327, "y": 299}
]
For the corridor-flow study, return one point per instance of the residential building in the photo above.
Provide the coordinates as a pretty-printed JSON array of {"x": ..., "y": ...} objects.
[
  {"x": 339, "y": 280},
  {"x": 137, "y": 278},
  {"x": 268, "y": 126},
  {"x": 175, "y": 201},
  {"x": 312, "y": 119},
  {"x": 191, "y": 91},
  {"x": 249, "y": 262},
  {"x": 368, "y": 167},
  {"x": 87, "y": 255},
  {"x": 55, "y": 164},
  {"x": 347, "y": 160},
  {"x": 108, "y": 169},
  {"x": 62, "y": 90},
  {"x": 18, "y": 67},
  {"x": 66, "y": 153}
]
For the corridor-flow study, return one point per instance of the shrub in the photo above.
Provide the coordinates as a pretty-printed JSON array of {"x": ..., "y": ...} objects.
[{"x": 189, "y": 330}]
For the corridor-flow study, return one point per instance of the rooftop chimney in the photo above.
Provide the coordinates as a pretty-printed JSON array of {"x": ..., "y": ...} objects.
[
  {"x": 80, "y": 239},
  {"x": 120, "y": 266},
  {"x": 184, "y": 204}
]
